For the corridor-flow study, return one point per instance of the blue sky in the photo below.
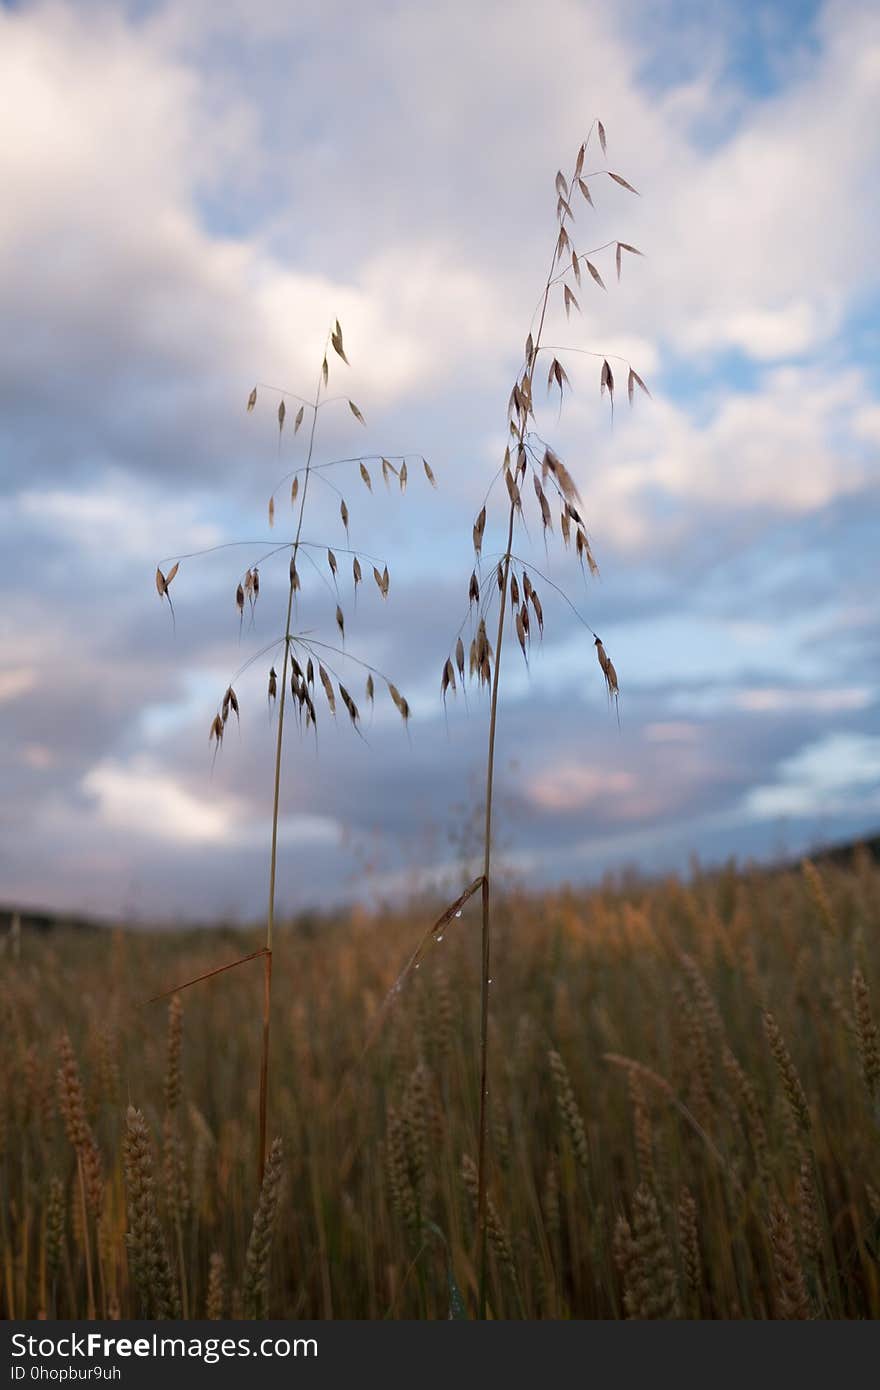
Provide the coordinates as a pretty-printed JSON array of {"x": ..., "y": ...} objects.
[{"x": 193, "y": 194}]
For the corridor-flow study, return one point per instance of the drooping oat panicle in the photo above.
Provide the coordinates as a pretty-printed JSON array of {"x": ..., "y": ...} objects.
[
  {"x": 526, "y": 452},
  {"x": 294, "y": 684}
]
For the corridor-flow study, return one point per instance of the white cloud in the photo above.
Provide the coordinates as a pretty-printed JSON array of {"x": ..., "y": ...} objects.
[
  {"x": 142, "y": 798},
  {"x": 146, "y": 800},
  {"x": 839, "y": 774},
  {"x": 787, "y": 448},
  {"x": 193, "y": 190},
  {"x": 115, "y": 521}
]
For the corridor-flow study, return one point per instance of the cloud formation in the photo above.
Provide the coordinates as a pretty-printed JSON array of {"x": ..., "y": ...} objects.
[{"x": 193, "y": 193}]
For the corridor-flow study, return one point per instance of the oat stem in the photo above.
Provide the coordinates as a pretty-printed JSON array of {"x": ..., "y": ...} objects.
[
  {"x": 482, "y": 1154},
  {"x": 270, "y": 915}
]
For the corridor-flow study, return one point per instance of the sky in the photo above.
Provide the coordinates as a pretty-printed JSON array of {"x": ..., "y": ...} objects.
[{"x": 193, "y": 194}]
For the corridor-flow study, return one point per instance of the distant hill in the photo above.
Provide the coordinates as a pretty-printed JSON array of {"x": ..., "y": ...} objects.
[{"x": 40, "y": 919}]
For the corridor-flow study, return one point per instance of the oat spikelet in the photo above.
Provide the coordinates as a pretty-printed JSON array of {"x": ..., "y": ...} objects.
[
  {"x": 608, "y": 670},
  {"x": 568, "y": 1108},
  {"x": 255, "y": 1285}
]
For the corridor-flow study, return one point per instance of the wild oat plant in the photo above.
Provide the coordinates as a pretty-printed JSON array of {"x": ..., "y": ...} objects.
[
  {"x": 308, "y": 663},
  {"x": 534, "y": 478}
]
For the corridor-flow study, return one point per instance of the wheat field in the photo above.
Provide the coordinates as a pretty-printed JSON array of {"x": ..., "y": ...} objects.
[{"x": 684, "y": 1102}]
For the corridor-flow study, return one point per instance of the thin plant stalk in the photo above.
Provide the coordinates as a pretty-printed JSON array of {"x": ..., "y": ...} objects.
[
  {"x": 91, "y": 1313},
  {"x": 270, "y": 914},
  {"x": 482, "y": 1154}
]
